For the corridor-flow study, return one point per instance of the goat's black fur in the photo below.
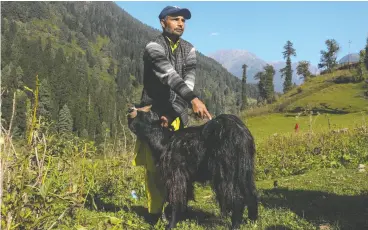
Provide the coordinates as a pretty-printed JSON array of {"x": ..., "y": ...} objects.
[{"x": 220, "y": 151}]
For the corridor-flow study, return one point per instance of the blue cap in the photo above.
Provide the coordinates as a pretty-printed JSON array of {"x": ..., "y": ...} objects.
[{"x": 169, "y": 10}]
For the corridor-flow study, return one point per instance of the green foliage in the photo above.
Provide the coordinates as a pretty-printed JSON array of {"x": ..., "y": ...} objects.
[
  {"x": 20, "y": 119},
  {"x": 265, "y": 84},
  {"x": 65, "y": 122},
  {"x": 84, "y": 133},
  {"x": 328, "y": 93},
  {"x": 261, "y": 85},
  {"x": 287, "y": 71},
  {"x": 303, "y": 70},
  {"x": 284, "y": 155},
  {"x": 316, "y": 197},
  {"x": 328, "y": 58},
  {"x": 269, "y": 86},
  {"x": 244, "y": 88},
  {"x": 45, "y": 100},
  {"x": 332, "y": 100},
  {"x": 362, "y": 72},
  {"x": 61, "y": 181}
]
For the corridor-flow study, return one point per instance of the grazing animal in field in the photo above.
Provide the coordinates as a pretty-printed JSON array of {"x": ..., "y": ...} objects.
[{"x": 221, "y": 151}]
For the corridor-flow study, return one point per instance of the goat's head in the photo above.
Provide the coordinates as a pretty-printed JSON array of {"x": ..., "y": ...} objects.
[{"x": 140, "y": 119}]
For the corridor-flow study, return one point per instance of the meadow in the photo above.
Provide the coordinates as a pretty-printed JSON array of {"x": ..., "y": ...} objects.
[
  {"x": 68, "y": 183},
  {"x": 310, "y": 179}
]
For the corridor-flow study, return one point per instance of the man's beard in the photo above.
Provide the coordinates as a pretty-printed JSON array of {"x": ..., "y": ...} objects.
[{"x": 173, "y": 32}]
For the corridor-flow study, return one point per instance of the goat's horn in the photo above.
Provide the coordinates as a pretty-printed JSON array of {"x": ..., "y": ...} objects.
[{"x": 146, "y": 108}]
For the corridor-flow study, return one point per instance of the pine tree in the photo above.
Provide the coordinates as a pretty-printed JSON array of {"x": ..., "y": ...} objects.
[
  {"x": 261, "y": 85},
  {"x": 111, "y": 69},
  {"x": 303, "y": 70},
  {"x": 328, "y": 58},
  {"x": 244, "y": 89},
  {"x": 84, "y": 134},
  {"x": 269, "y": 86},
  {"x": 362, "y": 71},
  {"x": 287, "y": 71},
  {"x": 48, "y": 59},
  {"x": 105, "y": 131},
  {"x": 60, "y": 82},
  {"x": 20, "y": 118},
  {"x": 45, "y": 100},
  {"x": 7, "y": 95},
  {"x": 90, "y": 58},
  {"x": 65, "y": 122},
  {"x": 12, "y": 80},
  {"x": 4, "y": 25}
]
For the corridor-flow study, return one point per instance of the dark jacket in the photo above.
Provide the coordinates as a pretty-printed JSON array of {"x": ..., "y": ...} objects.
[{"x": 169, "y": 77}]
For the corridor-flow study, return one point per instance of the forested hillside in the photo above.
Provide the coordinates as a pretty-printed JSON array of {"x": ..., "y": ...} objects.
[{"x": 88, "y": 57}]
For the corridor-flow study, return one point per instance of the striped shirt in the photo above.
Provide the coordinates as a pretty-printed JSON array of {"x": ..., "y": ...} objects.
[{"x": 169, "y": 77}]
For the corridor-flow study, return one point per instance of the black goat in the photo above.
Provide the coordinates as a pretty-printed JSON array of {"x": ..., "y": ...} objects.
[{"x": 220, "y": 151}]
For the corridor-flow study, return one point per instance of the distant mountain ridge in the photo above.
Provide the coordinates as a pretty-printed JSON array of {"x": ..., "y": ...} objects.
[{"x": 233, "y": 60}]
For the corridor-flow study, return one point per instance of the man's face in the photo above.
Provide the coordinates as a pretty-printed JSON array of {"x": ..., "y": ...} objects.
[{"x": 174, "y": 25}]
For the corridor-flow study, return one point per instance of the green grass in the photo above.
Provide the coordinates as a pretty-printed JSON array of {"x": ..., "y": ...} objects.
[
  {"x": 85, "y": 189},
  {"x": 328, "y": 197},
  {"x": 319, "y": 186},
  {"x": 266, "y": 125},
  {"x": 337, "y": 98},
  {"x": 321, "y": 94},
  {"x": 334, "y": 197}
]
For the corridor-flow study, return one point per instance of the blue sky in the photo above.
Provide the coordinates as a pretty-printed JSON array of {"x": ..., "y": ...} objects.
[{"x": 263, "y": 28}]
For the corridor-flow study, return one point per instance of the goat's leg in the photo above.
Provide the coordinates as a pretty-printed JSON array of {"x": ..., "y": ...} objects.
[
  {"x": 237, "y": 212},
  {"x": 253, "y": 206},
  {"x": 177, "y": 187},
  {"x": 252, "y": 199},
  {"x": 174, "y": 217}
]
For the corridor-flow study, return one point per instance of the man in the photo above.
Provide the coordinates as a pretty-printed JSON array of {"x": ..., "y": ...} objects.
[{"x": 169, "y": 76}]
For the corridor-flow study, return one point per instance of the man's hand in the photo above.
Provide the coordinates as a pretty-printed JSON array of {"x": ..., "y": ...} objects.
[
  {"x": 164, "y": 121},
  {"x": 200, "y": 109}
]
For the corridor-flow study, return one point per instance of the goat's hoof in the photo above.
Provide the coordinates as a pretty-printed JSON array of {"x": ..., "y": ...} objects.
[
  {"x": 170, "y": 226},
  {"x": 153, "y": 219}
]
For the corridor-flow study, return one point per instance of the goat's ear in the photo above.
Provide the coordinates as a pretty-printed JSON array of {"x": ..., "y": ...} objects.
[
  {"x": 145, "y": 109},
  {"x": 132, "y": 112}
]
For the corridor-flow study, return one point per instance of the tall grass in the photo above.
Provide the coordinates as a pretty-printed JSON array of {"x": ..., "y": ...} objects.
[
  {"x": 65, "y": 182},
  {"x": 297, "y": 153},
  {"x": 49, "y": 180}
]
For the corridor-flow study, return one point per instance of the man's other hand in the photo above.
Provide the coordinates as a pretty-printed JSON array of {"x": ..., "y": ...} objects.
[{"x": 200, "y": 109}]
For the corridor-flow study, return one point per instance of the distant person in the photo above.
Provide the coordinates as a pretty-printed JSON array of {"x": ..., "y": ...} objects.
[
  {"x": 296, "y": 127},
  {"x": 168, "y": 83}
]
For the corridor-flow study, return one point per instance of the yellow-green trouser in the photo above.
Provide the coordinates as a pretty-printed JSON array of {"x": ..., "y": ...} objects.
[{"x": 155, "y": 189}]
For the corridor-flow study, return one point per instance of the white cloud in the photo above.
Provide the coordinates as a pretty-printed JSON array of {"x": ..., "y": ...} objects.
[{"x": 214, "y": 34}]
